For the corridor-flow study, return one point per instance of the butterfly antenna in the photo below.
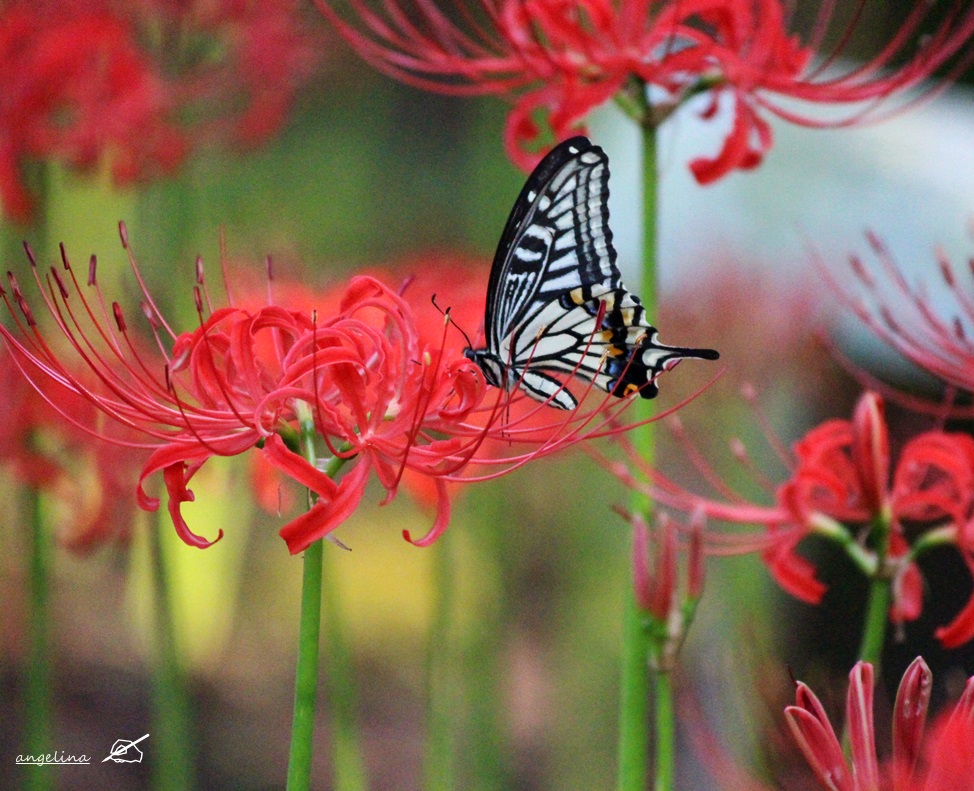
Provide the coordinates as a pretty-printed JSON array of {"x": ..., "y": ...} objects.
[{"x": 449, "y": 318}]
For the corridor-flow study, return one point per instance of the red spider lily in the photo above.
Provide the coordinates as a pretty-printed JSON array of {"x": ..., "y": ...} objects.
[
  {"x": 376, "y": 397},
  {"x": 137, "y": 86},
  {"x": 462, "y": 295},
  {"x": 563, "y": 58},
  {"x": 842, "y": 486},
  {"x": 927, "y": 330},
  {"x": 943, "y": 761}
]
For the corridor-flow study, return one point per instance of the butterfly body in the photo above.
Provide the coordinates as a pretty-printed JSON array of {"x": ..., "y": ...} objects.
[{"x": 556, "y": 303}]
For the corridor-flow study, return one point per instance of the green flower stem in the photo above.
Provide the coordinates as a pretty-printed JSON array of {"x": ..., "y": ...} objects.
[
  {"x": 39, "y": 719},
  {"x": 880, "y": 593},
  {"x": 877, "y": 607},
  {"x": 935, "y": 537},
  {"x": 306, "y": 675},
  {"x": 172, "y": 766},
  {"x": 347, "y": 761},
  {"x": 665, "y": 641},
  {"x": 438, "y": 767},
  {"x": 633, "y": 701},
  {"x": 865, "y": 559},
  {"x": 665, "y": 731},
  {"x": 874, "y": 625},
  {"x": 634, "y": 683}
]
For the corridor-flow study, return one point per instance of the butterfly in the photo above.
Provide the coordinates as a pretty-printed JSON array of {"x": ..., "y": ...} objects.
[{"x": 556, "y": 302}]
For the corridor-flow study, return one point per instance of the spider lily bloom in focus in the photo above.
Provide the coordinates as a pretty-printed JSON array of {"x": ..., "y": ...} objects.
[
  {"x": 561, "y": 59},
  {"x": 462, "y": 297},
  {"x": 657, "y": 590},
  {"x": 938, "y": 759},
  {"x": 843, "y": 486},
  {"x": 135, "y": 87},
  {"x": 360, "y": 383},
  {"x": 248, "y": 378}
]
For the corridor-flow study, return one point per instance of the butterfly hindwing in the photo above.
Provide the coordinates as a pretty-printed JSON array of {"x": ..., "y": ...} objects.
[{"x": 555, "y": 300}]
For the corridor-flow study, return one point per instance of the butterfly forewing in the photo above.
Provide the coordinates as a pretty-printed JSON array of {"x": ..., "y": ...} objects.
[
  {"x": 556, "y": 302},
  {"x": 556, "y": 239}
]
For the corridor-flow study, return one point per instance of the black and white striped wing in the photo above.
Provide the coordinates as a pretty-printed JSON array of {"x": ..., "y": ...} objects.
[
  {"x": 557, "y": 239},
  {"x": 556, "y": 302}
]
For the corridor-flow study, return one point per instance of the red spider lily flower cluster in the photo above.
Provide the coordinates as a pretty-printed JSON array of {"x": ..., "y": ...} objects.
[
  {"x": 136, "y": 86},
  {"x": 564, "y": 58},
  {"x": 939, "y": 760},
  {"x": 844, "y": 485},
  {"x": 927, "y": 328},
  {"x": 359, "y": 383}
]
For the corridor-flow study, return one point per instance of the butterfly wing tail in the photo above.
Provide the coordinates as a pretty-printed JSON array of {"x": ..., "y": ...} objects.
[{"x": 650, "y": 359}]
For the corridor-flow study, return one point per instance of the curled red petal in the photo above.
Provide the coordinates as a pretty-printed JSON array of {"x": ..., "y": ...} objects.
[
  {"x": 442, "y": 517},
  {"x": 737, "y": 150},
  {"x": 794, "y": 573},
  {"x": 162, "y": 459},
  {"x": 870, "y": 449},
  {"x": 176, "y": 477},
  {"x": 297, "y": 467},
  {"x": 522, "y": 134}
]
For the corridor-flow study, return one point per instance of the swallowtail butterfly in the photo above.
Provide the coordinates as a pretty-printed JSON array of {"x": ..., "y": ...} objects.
[{"x": 555, "y": 300}]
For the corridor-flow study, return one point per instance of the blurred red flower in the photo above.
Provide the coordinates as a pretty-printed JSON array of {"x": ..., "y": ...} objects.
[
  {"x": 563, "y": 58},
  {"x": 41, "y": 450},
  {"x": 137, "y": 86},
  {"x": 842, "y": 486},
  {"x": 667, "y": 604},
  {"x": 941, "y": 759},
  {"x": 929, "y": 322}
]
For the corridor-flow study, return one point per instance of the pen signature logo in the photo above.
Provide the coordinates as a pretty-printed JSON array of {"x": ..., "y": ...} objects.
[{"x": 125, "y": 751}]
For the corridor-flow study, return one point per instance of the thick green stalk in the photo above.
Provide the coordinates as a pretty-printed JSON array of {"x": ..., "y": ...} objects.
[
  {"x": 39, "y": 719},
  {"x": 633, "y": 701},
  {"x": 306, "y": 674},
  {"x": 172, "y": 741},
  {"x": 874, "y": 625},
  {"x": 438, "y": 765},
  {"x": 309, "y": 634},
  {"x": 634, "y": 683},
  {"x": 349, "y": 774}
]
